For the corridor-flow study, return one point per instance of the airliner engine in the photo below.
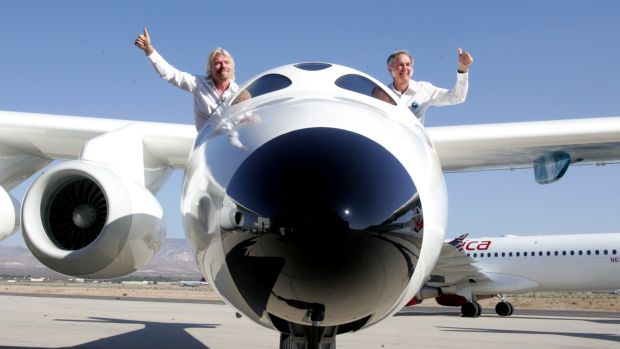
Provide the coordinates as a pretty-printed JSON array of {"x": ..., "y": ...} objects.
[
  {"x": 83, "y": 219},
  {"x": 9, "y": 219}
]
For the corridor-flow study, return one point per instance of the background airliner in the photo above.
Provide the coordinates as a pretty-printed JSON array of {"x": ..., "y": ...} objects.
[
  {"x": 472, "y": 269},
  {"x": 192, "y": 283},
  {"x": 291, "y": 216}
]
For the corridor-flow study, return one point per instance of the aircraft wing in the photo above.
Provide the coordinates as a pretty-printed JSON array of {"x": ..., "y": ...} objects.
[
  {"x": 540, "y": 144},
  {"x": 38, "y": 138},
  {"x": 30, "y": 141}
]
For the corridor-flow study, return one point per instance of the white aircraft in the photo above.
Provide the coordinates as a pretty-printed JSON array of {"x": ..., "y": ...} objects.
[
  {"x": 301, "y": 194},
  {"x": 192, "y": 283},
  {"x": 478, "y": 268}
]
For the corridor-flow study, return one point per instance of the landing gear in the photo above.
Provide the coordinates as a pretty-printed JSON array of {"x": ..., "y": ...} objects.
[
  {"x": 309, "y": 337},
  {"x": 471, "y": 309},
  {"x": 504, "y": 308}
]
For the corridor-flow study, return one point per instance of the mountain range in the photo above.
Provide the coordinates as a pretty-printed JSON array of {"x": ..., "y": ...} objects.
[{"x": 175, "y": 259}]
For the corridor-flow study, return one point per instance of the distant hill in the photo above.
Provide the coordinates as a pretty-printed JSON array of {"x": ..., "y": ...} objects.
[{"x": 174, "y": 260}]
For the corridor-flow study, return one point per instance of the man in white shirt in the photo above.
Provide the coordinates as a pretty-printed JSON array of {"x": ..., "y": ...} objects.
[
  {"x": 210, "y": 91},
  {"x": 419, "y": 95}
]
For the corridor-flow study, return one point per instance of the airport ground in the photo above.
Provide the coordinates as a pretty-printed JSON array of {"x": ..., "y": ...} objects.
[
  {"x": 163, "y": 315},
  {"x": 45, "y": 321}
]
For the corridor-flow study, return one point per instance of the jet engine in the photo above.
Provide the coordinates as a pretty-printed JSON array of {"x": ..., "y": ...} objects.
[
  {"x": 9, "y": 219},
  {"x": 82, "y": 219},
  {"x": 424, "y": 293}
]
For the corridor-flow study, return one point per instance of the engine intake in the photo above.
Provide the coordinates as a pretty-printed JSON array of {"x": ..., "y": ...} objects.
[
  {"x": 83, "y": 219},
  {"x": 77, "y": 214}
]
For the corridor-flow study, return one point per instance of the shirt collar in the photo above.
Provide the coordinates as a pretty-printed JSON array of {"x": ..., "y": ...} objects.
[
  {"x": 413, "y": 87},
  {"x": 232, "y": 87}
]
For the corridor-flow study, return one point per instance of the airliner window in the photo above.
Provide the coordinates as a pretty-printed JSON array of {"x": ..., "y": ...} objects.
[
  {"x": 263, "y": 85},
  {"x": 363, "y": 85},
  {"x": 311, "y": 66}
]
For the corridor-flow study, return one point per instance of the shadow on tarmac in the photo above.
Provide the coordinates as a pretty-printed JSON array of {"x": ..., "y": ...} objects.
[
  {"x": 610, "y": 337},
  {"x": 153, "y": 335}
]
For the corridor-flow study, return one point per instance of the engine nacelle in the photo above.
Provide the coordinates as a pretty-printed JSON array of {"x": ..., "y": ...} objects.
[
  {"x": 424, "y": 293},
  {"x": 9, "y": 219},
  {"x": 83, "y": 219}
]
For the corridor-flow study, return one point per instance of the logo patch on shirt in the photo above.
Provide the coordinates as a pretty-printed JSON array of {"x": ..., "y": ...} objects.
[{"x": 414, "y": 105}]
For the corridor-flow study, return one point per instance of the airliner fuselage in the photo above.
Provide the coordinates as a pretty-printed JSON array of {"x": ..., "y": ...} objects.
[{"x": 580, "y": 262}]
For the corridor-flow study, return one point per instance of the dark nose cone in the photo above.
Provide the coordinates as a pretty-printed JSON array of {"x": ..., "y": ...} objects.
[{"x": 328, "y": 234}]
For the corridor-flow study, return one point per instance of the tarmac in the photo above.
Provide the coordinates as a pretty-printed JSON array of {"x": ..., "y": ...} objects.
[{"x": 98, "y": 322}]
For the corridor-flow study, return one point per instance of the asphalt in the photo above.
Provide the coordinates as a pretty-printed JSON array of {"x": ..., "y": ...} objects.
[{"x": 72, "y": 322}]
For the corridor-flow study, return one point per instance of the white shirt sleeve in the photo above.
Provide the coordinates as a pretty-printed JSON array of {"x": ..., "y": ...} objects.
[
  {"x": 184, "y": 80},
  {"x": 457, "y": 95}
]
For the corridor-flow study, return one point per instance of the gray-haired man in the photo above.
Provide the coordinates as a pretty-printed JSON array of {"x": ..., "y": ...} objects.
[{"x": 419, "y": 95}]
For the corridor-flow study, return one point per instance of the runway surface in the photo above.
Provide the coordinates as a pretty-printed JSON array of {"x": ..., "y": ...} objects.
[{"x": 70, "y": 322}]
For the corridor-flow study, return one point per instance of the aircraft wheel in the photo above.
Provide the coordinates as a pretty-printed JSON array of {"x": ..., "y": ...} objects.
[
  {"x": 503, "y": 309},
  {"x": 512, "y": 309},
  {"x": 471, "y": 309},
  {"x": 478, "y": 309}
]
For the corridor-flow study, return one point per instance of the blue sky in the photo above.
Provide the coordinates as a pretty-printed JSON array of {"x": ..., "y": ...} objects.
[{"x": 534, "y": 60}]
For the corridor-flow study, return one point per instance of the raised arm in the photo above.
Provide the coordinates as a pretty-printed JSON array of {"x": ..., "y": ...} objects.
[
  {"x": 458, "y": 94},
  {"x": 169, "y": 73}
]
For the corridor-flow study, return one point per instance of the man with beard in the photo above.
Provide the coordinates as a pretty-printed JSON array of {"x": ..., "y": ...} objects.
[
  {"x": 210, "y": 91},
  {"x": 419, "y": 95}
]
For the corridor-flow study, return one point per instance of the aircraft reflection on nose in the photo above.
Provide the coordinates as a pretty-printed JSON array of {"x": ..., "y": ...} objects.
[
  {"x": 315, "y": 204},
  {"x": 323, "y": 168}
]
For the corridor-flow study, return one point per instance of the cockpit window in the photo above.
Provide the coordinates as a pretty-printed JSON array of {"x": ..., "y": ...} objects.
[
  {"x": 365, "y": 86},
  {"x": 263, "y": 85},
  {"x": 312, "y": 66}
]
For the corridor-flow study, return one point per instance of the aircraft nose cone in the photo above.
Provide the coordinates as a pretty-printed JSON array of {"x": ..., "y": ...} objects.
[{"x": 326, "y": 235}]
